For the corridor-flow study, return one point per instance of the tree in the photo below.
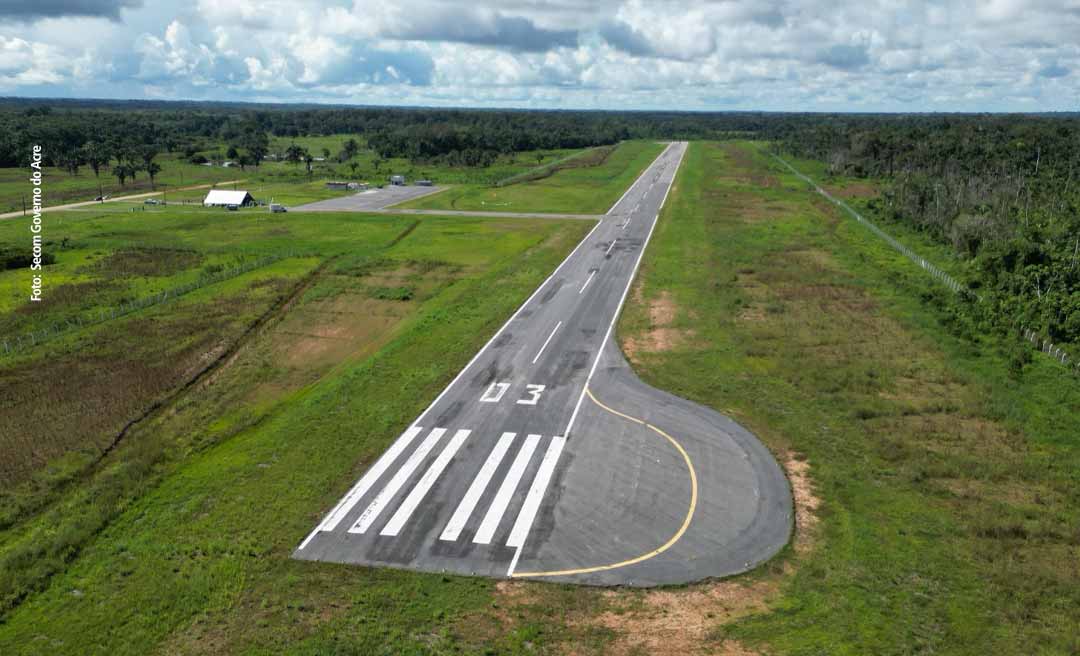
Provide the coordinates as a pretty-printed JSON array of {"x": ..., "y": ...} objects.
[
  {"x": 308, "y": 159},
  {"x": 232, "y": 153},
  {"x": 325, "y": 152},
  {"x": 121, "y": 171},
  {"x": 152, "y": 169},
  {"x": 294, "y": 154},
  {"x": 377, "y": 162},
  {"x": 353, "y": 166},
  {"x": 349, "y": 149},
  {"x": 539, "y": 158}
]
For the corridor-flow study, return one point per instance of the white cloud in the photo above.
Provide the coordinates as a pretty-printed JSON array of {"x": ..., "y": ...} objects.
[{"x": 723, "y": 54}]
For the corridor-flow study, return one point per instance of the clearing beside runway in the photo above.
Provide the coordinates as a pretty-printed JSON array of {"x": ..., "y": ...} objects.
[{"x": 591, "y": 189}]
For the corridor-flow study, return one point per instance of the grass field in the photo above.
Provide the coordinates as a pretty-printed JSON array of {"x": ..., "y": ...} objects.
[
  {"x": 580, "y": 189},
  {"x": 936, "y": 486},
  {"x": 290, "y": 182},
  {"x": 203, "y": 502},
  {"x": 949, "y": 506}
]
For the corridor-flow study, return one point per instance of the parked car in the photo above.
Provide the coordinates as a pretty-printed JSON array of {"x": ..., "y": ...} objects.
[
  {"x": 152, "y": 201},
  {"x": 277, "y": 208},
  {"x": 232, "y": 208},
  {"x": 104, "y": 197}
]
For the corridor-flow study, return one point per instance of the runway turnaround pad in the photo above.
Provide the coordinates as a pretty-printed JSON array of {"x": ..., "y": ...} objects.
[{"x": 547, "y": 457}]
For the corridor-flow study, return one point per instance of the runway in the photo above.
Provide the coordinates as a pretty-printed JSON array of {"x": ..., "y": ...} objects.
[{"x": 546, "y": 457}]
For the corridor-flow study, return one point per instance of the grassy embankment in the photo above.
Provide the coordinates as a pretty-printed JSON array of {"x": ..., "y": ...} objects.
[
  {"x": 179, "y": 540},
  {"x": 580, "y": 189}
]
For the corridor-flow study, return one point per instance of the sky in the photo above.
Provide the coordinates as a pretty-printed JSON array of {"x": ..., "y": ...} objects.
[{"x": 772, "y": 55}]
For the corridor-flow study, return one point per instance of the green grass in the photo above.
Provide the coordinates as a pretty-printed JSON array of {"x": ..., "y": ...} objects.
[
  {"x": 578, "y": 190},
  {"x": 59, "y": 187},
  {"x": 949, "y": 487},
  {"x": 288, "y": 183},
  {"x": 179, "y": 543}
]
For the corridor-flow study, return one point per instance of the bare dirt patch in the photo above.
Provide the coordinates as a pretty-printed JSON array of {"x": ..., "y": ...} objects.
[
  {"x": 671, "y": 622},
  {"x": 855, "y": 189},
  {"x": 660, "y": 336}
]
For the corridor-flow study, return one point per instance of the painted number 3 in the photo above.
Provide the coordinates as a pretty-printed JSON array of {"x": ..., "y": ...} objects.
[
  {"x": 495, "y": 392},
  {"x": 534, "y": 392}
]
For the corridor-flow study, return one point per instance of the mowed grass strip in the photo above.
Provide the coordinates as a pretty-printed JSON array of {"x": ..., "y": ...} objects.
[
  {"x": 193, "y": 556},
  {"x": 950, "y": 506},
  {"x": 574, "y": 190}
]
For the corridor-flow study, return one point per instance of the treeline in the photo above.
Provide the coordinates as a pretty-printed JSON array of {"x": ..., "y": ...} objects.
[
  {"x": 1001, "y": 189},
  {"x": 458, "y": 137}
]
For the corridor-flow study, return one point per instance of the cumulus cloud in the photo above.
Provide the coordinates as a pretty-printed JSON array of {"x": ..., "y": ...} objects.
[{"x": 698, "y": 54}]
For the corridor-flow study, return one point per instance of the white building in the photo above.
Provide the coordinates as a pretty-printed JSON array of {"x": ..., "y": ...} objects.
[{"x": 226, "y": 197}]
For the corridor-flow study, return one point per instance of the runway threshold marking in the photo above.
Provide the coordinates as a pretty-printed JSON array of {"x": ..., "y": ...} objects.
[
  {"x": 334, "y": 517},
  {"x": 423, "y": 486},
  {"x": 476, "y": 489},
  {"x": 371, "y": 513},
  {"x": 646, "y": 556},
  {"x": 498, "y": 506},
  {"x": 546, "y": 341}
]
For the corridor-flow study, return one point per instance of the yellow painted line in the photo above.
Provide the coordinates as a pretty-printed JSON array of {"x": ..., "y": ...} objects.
[{"x": 662, "y": 548}]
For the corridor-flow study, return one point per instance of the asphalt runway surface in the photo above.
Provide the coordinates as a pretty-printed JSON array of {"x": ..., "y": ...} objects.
[
  {"x": 547, "y": 458},
  {"x": 372, "y": 199}
]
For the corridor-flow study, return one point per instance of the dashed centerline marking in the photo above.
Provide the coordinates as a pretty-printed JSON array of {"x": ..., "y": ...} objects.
[
  {"x": 587, "y": 281},
  {"x": 538, "y": 353},
  {"x": 611, "y": 246}
]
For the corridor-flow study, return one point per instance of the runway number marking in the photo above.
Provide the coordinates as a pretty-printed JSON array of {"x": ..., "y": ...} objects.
[
  {"x": 494, "y": 393},
  {"x": 497, "y": 390},
  {"x": 534, "y": 392}
]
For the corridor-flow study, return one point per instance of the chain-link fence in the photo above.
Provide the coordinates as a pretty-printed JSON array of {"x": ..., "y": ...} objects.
[
  {"x": 1044, "y": 345},
  {"x": 101, "y": 315}
]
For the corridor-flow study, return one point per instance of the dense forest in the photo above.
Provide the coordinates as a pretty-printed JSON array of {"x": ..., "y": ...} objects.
[{"x": 1000, "y": 189}]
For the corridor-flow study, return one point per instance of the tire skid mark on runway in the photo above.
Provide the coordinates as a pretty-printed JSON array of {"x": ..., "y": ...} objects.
[{"x": 646, "y": 556}]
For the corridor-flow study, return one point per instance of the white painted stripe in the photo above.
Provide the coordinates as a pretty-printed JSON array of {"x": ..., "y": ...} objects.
[
  {"x": 334, "y": 517},
  {"x": 641, "y": 177},
  {"x": 587, "y": 281},
  {"x": 503, "y": 327},
  {"x": 371, "y": 513},
  {"x": 539, "y": 486},
  {"x": 498, "y": 506},
  {"x": 611, "y": 246},
  {"x": 476, "y": 489},
  {"x": 513, "y": 562},
  {"x": 546, "y": 341},
  {"x": 626, "y": 224},
  {"x": 614, "y": 317},
  {"x": 423, "y": 486}
]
